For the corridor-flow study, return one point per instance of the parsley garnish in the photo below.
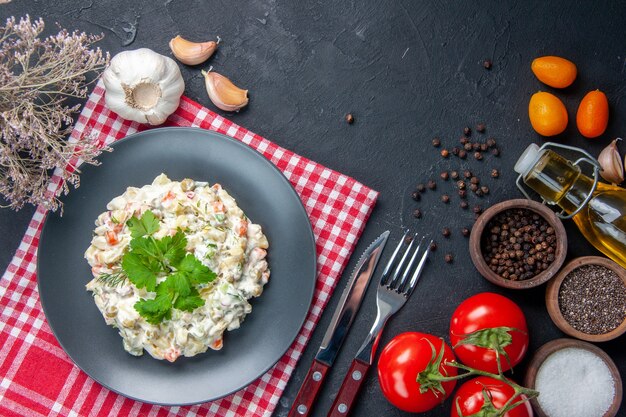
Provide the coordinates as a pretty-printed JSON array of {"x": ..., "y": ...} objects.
[
  {"x": 150, "y": 258},
  {"x": 146, "y": 225}
]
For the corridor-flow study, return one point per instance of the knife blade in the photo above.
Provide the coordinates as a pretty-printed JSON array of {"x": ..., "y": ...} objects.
[{"x": 344, "y": 314}]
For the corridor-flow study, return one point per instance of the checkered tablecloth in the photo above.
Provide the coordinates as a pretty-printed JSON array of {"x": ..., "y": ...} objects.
[{"x": 37, "y": 378}]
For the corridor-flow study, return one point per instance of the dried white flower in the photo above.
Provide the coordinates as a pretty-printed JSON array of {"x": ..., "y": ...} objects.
[{"x": 37, "y": 76}]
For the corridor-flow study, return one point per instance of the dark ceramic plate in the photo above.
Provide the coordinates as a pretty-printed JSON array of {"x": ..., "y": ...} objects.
[{"x": 266, "y": 197}]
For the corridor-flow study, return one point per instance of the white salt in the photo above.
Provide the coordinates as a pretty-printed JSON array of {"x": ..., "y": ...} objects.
[{"x": 574, "y": 382}]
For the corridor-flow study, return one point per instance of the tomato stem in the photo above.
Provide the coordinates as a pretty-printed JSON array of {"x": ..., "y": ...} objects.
[
  {"x": 519, "y": 390},
  {"x": 431, "y": 380}
]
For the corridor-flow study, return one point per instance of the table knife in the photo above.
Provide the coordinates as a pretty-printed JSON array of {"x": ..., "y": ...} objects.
[
  {"x": 392, "y": 293},
  {"x": 338, "y": 329}
]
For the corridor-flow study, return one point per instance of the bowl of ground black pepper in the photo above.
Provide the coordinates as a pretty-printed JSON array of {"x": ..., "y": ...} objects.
[
  {"x": 587, "y": 299},
  {"x": 518, "y": 244}
]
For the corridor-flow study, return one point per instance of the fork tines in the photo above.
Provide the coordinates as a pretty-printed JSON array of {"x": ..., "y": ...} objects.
[{"x": 399, "y": 279}]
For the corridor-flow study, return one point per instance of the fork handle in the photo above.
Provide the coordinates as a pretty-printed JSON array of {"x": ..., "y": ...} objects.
[{"x": 349, "y": 390}]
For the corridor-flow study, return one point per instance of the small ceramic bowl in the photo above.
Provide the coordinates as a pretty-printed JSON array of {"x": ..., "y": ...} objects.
[
  {"x": 482, "y": 222},
  {"x": 549, "y": 348},
  {"x": 552, "y": 298}
]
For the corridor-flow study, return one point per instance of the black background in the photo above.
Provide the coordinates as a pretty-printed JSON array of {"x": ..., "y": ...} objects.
[{"x": 407, "y": 71}]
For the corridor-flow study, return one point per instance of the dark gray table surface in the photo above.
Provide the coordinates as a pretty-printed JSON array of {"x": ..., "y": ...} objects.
[{"x": 407, "y": 71}]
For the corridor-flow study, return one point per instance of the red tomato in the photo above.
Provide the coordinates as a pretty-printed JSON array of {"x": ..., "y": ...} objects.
[
  {"x": 470, "y": 399},
  {"x": 486, "y": 311},
  {"x": 402, "y": 360}
]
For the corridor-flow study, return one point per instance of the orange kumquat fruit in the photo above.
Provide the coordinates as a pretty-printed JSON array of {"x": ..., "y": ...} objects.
[
  {"x": 593, "y": 114},
  {"x": 547, "y": 114},
  {"x": 554, "y": 71}
]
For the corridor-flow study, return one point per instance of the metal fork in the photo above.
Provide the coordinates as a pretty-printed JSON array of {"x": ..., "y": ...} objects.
[{"x": 395, "y": 287}]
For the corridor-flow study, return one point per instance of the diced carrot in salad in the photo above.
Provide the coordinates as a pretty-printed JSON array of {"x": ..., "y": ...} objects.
[
  {"x": 242, "y": 229},
  {"x": 111, "y": 238}
]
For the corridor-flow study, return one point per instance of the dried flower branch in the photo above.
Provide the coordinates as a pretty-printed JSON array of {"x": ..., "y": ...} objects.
[{"x": 36, "y": 77}]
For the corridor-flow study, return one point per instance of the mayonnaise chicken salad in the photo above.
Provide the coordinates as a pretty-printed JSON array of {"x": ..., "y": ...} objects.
[{"x": 174, "y": 265}]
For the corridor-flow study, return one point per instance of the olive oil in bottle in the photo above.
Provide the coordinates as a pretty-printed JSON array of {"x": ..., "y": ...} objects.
[{"x": 602, "y": 220}]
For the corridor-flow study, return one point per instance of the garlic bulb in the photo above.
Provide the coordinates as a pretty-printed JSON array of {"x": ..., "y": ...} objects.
[
  {"x": 611, "y": 163},
  {"x": 143, "y": 86},
  {"x": 223, "y": 93},
  {"x": 192, "y": 53}
]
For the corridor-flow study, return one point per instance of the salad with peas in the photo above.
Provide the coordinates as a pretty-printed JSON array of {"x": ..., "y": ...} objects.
[{"x": 174, "y": 265}]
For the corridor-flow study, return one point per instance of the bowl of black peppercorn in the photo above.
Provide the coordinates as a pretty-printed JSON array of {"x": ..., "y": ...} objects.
[{"x": 518, "y": 244}]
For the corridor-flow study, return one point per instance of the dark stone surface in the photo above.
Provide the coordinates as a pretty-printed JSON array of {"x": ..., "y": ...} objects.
[{"x": 407, "y": 71}]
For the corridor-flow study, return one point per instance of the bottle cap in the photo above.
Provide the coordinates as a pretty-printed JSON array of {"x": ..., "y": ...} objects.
[{"x": 527, "y": 160}]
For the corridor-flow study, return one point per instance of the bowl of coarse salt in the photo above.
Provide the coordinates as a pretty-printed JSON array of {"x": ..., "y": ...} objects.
[{"x": 574, "y": 379}]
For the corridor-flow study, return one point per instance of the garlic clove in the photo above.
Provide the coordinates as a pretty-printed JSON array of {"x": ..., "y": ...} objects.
[
  {"x": 611, "y": 163},
  {"x": 223, "y": 93},
  {"x": 192, "y": 53}
]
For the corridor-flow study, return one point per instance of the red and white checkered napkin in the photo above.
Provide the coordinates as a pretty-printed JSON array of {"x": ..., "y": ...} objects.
[{"x": 37, "y": 378}]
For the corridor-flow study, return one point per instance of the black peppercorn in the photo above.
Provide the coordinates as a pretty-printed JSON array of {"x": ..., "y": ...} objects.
[
  {"x": 436, "y": 142},
  {"x": 467, "y": 174},
  {"x": 444, "y": 175},
  {"x": 474, "y": 180},
  {"x": 448, "y": 258},
  {"x": 416, "y": 196},
  {"x": 478, "y": 209},
  {"x": 462, "y": 193},
  {"x": 463, "y": 140},
  {"x": 462, "y": 154},
  {"x": 487, "y": 64},
  {"x": 518, "y": 244},
  {"x": 467, "y": 131},
  {"x": 484, "y": 189},
  {"x": 445, "y": 198},
  {"x": 495, "y": 152},
  {"x": 478, "y": 156},
  {"x": 431, "y": 185},
  {"x": 473, "y": 187},
  {"x": 461, "y": 184},
  {"x": 454, "y": 175},
  {"x": 465, "y": 231},
  {"x": 495, "y": 173},
  {"x": 491, "y": 142},
  {"x": 464, "y": 205},
  {"x": 349, "y": 118},
  {"x": 433, "y": 246},
  {"x": 480, "y": 127},
  {"x": 445, "y": 232},
  {"x": 468, "y": 146},
  {"x": 420, "y": 188},
  {"x": 455, "y": 151},
  {"x": 417, "y": 214}
]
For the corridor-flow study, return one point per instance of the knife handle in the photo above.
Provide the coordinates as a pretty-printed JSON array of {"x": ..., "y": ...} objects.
[
  {"x": 308, "y": 391},
  {"x": 349, "y": 390}
]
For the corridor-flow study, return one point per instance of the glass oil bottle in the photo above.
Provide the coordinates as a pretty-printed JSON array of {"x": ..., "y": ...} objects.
[{"x": 598, "y": 209}]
